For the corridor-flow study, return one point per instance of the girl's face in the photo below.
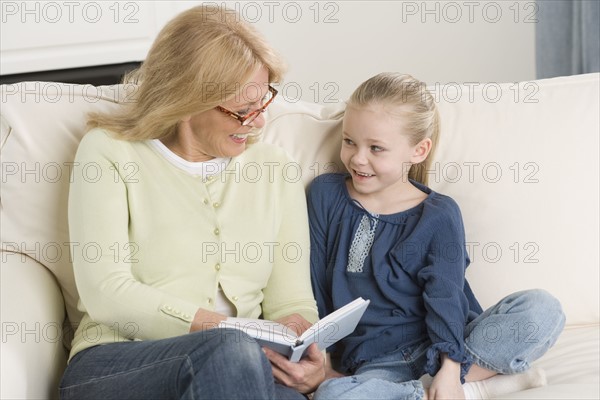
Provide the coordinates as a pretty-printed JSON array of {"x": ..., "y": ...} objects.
[{"x": 377, "y": 152}]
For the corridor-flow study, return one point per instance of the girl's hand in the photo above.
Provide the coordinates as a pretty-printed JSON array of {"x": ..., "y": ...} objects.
[
  {"x": 446, "y": 383},
  {"x": 304, "y": 376},
  {"x": 442, "y": 388}
]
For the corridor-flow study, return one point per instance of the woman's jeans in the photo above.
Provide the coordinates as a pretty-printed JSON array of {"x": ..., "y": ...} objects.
[
  {"x": 506, "y": 338},
  {"x": 213, "y": 364}
]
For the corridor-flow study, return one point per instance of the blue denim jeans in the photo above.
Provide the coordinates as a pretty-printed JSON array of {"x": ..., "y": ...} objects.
[
  {"x": 506, "y": 338},
  {"x": 213, "y": 364}
]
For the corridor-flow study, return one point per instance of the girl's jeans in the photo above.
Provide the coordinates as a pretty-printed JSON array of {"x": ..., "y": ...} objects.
[
  {"x": 506, "y": 338},
  {"x": 214, "y": 364}
]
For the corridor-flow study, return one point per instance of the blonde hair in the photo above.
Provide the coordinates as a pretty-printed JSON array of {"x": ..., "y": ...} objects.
[
  {"x": 201, "y": 58},
  {"x": 412, "y": 102}
]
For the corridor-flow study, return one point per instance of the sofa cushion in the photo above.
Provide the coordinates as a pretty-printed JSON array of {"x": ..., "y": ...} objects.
[
  {"x": 32, "y": 352},
  {"x": 42, "y": 124},
  {"x": 310, "y": 133},
  {"x": 530, "y": 204}
]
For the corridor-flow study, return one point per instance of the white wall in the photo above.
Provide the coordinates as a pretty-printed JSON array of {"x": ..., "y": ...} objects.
[
  {"x": 370, "y": 37},
  {"x": 330, "y": 46}
]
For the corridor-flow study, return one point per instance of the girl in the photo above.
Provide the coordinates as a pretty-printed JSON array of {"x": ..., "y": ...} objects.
[{"x": 379, "y": 232}]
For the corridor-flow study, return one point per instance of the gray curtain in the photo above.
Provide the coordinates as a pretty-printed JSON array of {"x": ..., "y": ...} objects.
[{"x": 567, "y": 37}]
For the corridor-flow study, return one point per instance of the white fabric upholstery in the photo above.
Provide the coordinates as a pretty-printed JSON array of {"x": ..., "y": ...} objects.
[
  {"x": 32, "y": 352},
  {"x": 521, "y": 161}
]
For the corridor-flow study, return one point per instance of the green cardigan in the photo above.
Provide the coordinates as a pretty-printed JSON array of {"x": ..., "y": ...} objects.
[{"x": 151, "y": 242}]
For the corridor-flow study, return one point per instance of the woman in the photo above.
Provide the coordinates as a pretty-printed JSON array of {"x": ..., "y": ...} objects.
[{"x": 186, "y": 222}]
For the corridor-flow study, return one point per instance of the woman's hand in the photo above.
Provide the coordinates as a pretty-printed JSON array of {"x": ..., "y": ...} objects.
[
  {"x": 296, "y": 323},
  {"x": 446, "y": 383},
  {"x": 304, "y": 376},
  {"x": 329, "y": 371},
  {"x": 204, "y": 319}
]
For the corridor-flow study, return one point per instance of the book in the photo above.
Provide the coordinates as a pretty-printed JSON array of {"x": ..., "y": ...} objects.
[{"x": 324, "y": 333}]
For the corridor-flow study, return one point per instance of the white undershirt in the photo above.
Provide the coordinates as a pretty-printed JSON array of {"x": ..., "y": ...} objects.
[
  {"x": 203, "y": 169},
  {"x": 223, "y": 305}
]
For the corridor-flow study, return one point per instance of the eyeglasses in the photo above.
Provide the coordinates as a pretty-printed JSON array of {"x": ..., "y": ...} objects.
[{"x": 248, "y": 118}]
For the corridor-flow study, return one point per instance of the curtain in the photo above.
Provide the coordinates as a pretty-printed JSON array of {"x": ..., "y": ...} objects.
[{"x": 567, "y": 37}]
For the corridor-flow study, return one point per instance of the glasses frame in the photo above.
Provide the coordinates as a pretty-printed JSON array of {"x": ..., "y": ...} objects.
[{"x": 250, "y": 117}]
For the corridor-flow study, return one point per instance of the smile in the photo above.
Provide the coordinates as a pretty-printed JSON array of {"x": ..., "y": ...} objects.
[
  {"x": 239, "y": 137},
  {"x": 363, "y": 174}
]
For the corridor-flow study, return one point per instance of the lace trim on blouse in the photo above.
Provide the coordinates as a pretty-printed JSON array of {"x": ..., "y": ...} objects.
[{"x": 362, "y": 242}]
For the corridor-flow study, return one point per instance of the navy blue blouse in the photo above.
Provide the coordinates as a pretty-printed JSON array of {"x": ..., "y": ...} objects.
[{"x": 413, "y": 273}]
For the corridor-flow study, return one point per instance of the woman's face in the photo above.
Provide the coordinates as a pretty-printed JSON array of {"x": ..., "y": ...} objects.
[{"x": 213, "y": 133}]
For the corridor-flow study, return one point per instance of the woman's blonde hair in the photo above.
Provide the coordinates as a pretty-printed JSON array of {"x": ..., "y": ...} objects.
[
  {"x": 412, "y": 102},
  {"x": 201, "y": 58}
]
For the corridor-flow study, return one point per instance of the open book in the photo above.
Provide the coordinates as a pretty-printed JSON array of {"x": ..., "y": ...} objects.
[{"x": 284, "y": 340}]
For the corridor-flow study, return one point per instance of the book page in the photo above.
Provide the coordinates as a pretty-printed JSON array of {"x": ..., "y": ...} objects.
[
  {"x": 333, "y": 324},
  {"x": 284, "y": 340}
]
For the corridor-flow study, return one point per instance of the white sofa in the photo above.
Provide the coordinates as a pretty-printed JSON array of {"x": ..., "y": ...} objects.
[{"x": 520, "y": 159}]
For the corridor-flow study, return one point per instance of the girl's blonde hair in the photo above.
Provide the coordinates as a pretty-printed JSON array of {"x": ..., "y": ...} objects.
[
  {"x": 410, "y": 100},
  {"x": 201, "y": 58}
]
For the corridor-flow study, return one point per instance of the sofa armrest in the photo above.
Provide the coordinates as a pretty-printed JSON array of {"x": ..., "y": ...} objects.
[{"x": 32, "y": 315}]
